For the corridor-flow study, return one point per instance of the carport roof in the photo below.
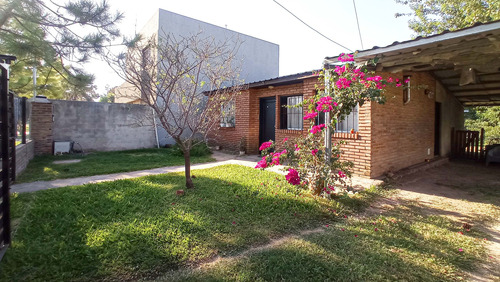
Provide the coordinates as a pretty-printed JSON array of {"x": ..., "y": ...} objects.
[{"x": 466, "y": 61}]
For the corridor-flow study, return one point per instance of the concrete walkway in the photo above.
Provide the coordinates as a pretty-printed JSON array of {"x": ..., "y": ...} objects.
[{"x": 220, "y": 159}]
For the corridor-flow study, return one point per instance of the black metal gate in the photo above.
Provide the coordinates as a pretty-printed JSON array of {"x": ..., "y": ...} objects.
[{"x": 7, "y": 150}]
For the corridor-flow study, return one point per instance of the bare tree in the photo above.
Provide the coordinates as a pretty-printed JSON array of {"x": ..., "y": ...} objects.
[{"x": 187, "y": 82}]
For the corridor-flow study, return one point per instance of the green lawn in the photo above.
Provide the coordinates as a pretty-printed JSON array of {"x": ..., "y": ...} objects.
[
  {"x": 96, "y": 163},
  {"x": 140, "y": 229},
  {"x": 402, "y": 246}
]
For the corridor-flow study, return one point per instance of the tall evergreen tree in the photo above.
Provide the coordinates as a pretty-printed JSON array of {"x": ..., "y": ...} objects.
[{"x": 51, "y": 35}]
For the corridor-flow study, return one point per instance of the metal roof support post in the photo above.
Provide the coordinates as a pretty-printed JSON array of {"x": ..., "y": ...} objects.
[{"x": 328, "y": 131}]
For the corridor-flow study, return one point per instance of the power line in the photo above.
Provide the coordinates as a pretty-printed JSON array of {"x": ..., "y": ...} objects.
[
  {"x": 311, "y": 27},
  {"x": 357, "y": 21}
]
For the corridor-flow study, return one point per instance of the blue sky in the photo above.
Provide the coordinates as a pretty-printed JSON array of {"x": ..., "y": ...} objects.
[{"x": 301, "y": 49}]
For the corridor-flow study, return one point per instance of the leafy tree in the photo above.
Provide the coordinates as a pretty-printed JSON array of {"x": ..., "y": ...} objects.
[
  {"x": 487, "y": 118},
  {"x": 48, "y": 35},
  {"x": 108, "y": 98},
  {"x": 187, "y": 81},
  {"x": 435, "y": 16}
]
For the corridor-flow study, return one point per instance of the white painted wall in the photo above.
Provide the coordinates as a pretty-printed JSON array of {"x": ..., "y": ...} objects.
[
  {"x": 259, "y": 58},
  {"x": 452, "y": 116}
]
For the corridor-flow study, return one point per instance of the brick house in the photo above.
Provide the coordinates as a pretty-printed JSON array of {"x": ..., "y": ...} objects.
[{"x": 410, "y": 128}]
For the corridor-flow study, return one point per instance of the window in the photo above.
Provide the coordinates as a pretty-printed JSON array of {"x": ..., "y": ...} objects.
[
  {"x": 344, "y": 126},
  {"x": 406, "y": 89},
  {"x": 291, "y": 117},
  {"x": 227, "y": 115},
  {"x": 320, "y": 118},
  {"x": 349, "y": 122}
]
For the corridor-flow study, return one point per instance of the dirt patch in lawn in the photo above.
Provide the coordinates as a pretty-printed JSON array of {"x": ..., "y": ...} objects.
[
  {"x": 465, "y": 192},
  {"x": 67, "y": 161}
]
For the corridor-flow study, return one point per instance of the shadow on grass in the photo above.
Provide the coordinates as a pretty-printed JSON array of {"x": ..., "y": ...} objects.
[
  {"x": 413, "y": 249},
  {"x": 128, "y": 229},
  {"x": 42, "y": 168}
]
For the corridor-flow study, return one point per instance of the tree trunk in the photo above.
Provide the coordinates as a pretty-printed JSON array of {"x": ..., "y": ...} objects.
[
  {"x": 187, "y": 169},
  {"x": 315, "y": 185}
]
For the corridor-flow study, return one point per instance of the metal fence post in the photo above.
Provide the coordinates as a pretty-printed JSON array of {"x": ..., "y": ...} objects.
[{"x": 23, "y": 118}]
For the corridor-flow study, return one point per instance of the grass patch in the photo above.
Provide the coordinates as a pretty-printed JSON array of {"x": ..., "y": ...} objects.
[
  {"x": 135, "y": 228},
  {"x": 403, "y": 245},
  {"x": 97, "y": 163}
]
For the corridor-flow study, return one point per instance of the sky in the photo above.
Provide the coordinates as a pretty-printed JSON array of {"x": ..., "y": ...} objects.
[{"x": 301, "y": 49}]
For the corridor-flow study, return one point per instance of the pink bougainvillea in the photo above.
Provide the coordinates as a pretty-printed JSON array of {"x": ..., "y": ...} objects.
[
  {"x": 325, "y": 104},
  {"x": 308, "y": 161},
  {"x": 346, "y": 57},
  {"x": 265, "y": 145},
  {"x": 293, "y": 177},
  {"x": 262, "y": 163},
  {"x": 317, "y": 128},
  {"x": 311, "y": 115}
]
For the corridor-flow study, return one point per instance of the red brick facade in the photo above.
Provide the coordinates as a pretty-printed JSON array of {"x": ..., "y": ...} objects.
[
  {"x": 403, "y": 134},
  {"x": 390, "y": 136},
  {"x": 41, "y": 127}
]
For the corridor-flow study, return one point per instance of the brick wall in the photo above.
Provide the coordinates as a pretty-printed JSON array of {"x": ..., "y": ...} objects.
[
  {"x": 229, "y": 138},
  {"x": 390, "y": 137},
  {"x": 358, "y": 147},
  {"x": 403, "y": 134},
  {"x": 41, "y": 127},
  {"x": 247, "y": 125},
  {"x": 24, "y": 153}
]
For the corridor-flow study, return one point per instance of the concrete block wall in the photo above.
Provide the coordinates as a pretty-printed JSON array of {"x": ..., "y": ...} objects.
[
  {"x": 103, "y": 126},
  {"x": 24, "y": 153}
]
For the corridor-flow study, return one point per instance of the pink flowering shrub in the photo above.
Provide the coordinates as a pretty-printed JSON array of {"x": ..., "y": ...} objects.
[
  {"x": 265, "y": 145},
  {"x": 293, "y": 177},
  {"x": 317, "y": 128},
  {"x": 307, "y": 159},
  {"x": 312, "y": 115}
]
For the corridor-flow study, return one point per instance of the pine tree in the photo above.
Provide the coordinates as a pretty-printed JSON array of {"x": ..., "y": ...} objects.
[{"x": 51, "y": 36}]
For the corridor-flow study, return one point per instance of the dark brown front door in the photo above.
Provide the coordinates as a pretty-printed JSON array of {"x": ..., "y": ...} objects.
[
  {"x": 437, "y": 130},
  {"x": 267, "y": 119}
]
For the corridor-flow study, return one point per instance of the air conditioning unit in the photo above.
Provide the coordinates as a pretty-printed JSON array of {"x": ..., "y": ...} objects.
[{"x": 62, "y": 147}]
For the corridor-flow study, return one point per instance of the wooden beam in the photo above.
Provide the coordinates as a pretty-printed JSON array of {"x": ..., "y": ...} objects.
[
  {"x": 479, "y": 98},
  {"x": 476, "y": 92},
  {"x": 480, "y": 86},
  {"x": 472, "y": 104}
]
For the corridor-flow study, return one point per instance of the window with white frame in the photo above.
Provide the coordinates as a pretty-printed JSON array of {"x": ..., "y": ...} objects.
[
  {"x": 227, "y": 115},
  {"x": 291, "y": 117},
  {"x": 349, "y": 123}
]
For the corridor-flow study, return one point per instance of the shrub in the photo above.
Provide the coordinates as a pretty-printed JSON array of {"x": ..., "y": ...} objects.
[{"x": 198, "y": 150}]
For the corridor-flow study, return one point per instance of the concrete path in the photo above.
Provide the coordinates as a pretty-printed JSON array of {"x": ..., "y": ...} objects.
[{"x": 220, "y": 159}]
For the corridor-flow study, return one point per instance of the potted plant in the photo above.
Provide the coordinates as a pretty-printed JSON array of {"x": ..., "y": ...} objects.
[{"x": 242, "y": 146}]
